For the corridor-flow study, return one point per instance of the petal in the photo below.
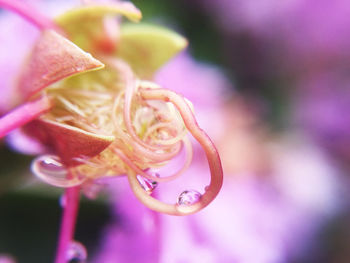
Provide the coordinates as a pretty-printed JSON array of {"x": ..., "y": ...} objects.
[
  {"x": 69, "y": 142},
  {"x": 53, "y": 58},
  {"x": 147, "y": 47},
  {"x": 85, "y": 25},
  {"x": 19, "y": 141},
  {"x": 14, "y": 49}
]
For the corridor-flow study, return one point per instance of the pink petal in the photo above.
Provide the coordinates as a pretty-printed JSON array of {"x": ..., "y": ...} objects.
[
  {"x": 53, "y": 58},
  {"x": 68, "y": 142}
]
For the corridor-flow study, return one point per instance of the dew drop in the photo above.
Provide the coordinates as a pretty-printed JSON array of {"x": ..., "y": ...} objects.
[
  {"x": 189, "y": 197},
  {"x": 50, "y": 169},
  {"x": 76, "y": 252},
  {"x": 147, "y": 184}
]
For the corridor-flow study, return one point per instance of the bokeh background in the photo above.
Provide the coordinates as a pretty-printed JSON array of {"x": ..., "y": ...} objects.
[{"x": 270, "y": 82}]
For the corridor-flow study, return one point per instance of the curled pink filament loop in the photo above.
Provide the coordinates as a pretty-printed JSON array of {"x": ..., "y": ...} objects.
[{"x": 212, "y": 155}]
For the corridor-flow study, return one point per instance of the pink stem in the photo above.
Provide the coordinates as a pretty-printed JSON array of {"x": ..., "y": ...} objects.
[
  {"x": 30, "y": 14},
  {"x": 71, "y": 206},
  {"x": 23, "y": 114}
]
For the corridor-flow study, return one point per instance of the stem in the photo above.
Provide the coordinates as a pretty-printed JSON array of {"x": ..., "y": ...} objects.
[
  {"x": 67, "y": 228},
  {"x": 30, "y": 14},
  {"x": 23, "y": 114}
]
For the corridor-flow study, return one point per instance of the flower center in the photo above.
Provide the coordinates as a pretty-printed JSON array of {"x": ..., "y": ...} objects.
[{"x": 106, "y": 102}]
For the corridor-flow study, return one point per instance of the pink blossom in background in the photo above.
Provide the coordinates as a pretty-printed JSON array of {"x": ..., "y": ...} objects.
[
  {"x": 202, "y": 84},
  {"x": 298, "y": 49},
  {"x": 321, "y": 108},
  {"x": 303, "y": 25},
  {"x": 270, "y": 43}
]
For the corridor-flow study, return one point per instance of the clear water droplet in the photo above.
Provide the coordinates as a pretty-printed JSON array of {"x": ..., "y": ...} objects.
[
  {"x": 189, "y": 197},
  {"x": 76, "y": 252},
  {"x": 51, "y": 170},
  {"x": 147, "y": 184}
]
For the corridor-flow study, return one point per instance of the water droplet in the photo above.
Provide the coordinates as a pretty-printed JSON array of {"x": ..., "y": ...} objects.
[
  {"x": 189, "y": 197},
  {"x": 147, "y": 184},
  {"x": 51, "y": 170},
  {"x": 76, "y": 252}
]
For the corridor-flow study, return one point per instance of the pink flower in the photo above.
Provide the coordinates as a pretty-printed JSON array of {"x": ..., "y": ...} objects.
[{"x": 99, "y": 113}]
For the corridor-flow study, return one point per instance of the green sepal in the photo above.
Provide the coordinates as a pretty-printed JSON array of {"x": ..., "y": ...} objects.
[
  {"x": 84, "y": 26},
  {"x": 147, "y": 47}
]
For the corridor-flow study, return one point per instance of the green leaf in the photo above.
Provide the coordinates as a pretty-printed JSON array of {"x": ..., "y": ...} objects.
[
  {"x": 147, "y": 47},
  {"x": 86, "y": 27}
]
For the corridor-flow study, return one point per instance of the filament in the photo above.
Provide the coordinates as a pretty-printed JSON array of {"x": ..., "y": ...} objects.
[{"x": 216, "y": 174}]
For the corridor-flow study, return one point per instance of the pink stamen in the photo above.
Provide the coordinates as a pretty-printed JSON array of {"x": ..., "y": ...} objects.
[
  {"x": 24, "y": 114},
  {"x": 139, "y": 146},
  {"x": 216, "y": 174},
  {"x": 130, "y": 163},
  {"x": 30, "y": 14}
]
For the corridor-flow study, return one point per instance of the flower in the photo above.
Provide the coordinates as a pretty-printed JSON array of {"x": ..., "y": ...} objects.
[
  {"x": 101, "y": 123},
  {"x": 99, "y": 112}
]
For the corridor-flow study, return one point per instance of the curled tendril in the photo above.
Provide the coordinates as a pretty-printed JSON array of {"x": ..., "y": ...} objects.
[{"x": 212, "y": 155}]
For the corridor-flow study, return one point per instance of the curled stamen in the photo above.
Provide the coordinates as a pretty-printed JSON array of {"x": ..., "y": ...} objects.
[
  {"x": 141, "y": 150},
  {"x": 189, "y": 155},
  {"x": 164, "y": 142},
  {"x": 212, "y": 155},
  {"x": 148, "y": 151}
]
